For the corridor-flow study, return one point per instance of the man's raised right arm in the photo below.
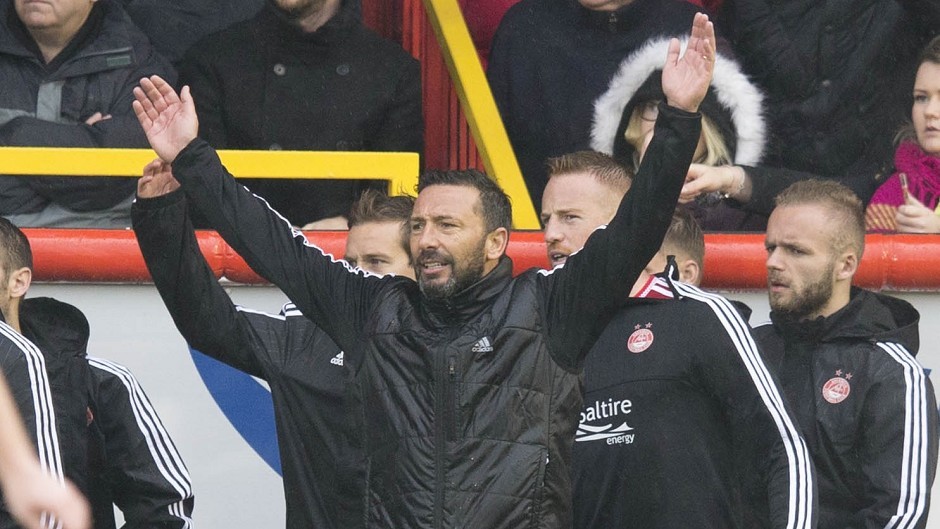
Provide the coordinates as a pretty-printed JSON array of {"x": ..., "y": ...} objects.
[{"x": 329, "y": 292}]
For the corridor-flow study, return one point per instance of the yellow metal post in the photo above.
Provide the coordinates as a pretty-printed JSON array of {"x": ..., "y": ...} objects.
[{"x": 476, "y": 99}]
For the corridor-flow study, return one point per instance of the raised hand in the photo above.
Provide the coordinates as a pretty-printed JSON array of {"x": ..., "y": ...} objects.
[
  {"x": 169, "y": 120},
  {"x": 157, "y": 180},
  {"x": 914, "y": 217},
  {"x": 686, "y": 79}
]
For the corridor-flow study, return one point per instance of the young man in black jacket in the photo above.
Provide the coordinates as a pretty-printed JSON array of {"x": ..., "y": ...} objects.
[
  {"x": 308, "y": 374},
  {"x": 469, "y": 378},
  {"x": 89, "y": 418},
  {"x": 672, "y": 385},
  {"x": 845, "y": 360}
]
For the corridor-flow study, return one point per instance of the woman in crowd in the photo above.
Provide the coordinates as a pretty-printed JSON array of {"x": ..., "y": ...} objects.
[
  {"x": 733, "y": 130},
  {"x": 908, "y": 201}
]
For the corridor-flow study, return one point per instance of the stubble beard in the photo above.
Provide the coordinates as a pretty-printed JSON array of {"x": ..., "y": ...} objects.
[
  {"x": 808, "y": 300},
  {"x": 460, "y": 278}
]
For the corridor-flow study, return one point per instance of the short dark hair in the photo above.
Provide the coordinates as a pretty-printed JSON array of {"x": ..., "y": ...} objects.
[
  {"x": 604, "y": 168},
  {"x": 842, "y": 203},
  {"x": 685, "y": 234},
  {"x": 16, "y": 252},
  {"x": 375, "y": 206},
  {"x": 497, "y": 208}
]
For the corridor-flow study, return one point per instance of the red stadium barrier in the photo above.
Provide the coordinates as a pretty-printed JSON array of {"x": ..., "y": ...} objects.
[{"x": 732, "y": 261}]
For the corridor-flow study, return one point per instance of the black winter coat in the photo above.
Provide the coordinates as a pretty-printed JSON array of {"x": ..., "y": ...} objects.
[
  {"x": 264, "y": 84},
  {"x": 469, "y": 405},
  {"x": 838, "y": 76}
]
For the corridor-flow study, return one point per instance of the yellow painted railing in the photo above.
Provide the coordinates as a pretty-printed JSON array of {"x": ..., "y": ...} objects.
[
  {"x": 477, "y": 102},
  {"x": 400, "y": 169}
]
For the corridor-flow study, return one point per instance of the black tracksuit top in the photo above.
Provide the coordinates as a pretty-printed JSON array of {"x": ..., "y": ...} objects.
[{"x": 672, "y": 386}]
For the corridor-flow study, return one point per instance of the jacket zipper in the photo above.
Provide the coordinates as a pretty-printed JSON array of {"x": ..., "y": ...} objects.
[
  {"x": 612, "y": 23},
  {"x": 451, "y": 402},
  {"x": 440, "y": 435}
]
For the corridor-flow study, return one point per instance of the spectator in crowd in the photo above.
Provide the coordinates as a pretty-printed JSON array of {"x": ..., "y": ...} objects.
[
  {"x": 468, "y": 376},
  {"x": 551, "y": 59},
  {"x": 173, "y": 27},
  {"x": 89, "y": 418},
  {"x": 308, "y": 374},
  {"x": 733, "y": 129},
  {"x": 837, "y": 78},
  {"x": 666, "y": 401},
  {"x": 301, "y": 75},
  {"x": 67, "y": 69},
  {"x": 845, "y": 360},
  {"x": 27, "y": 490},
  {"x": 907, "y": 202}
]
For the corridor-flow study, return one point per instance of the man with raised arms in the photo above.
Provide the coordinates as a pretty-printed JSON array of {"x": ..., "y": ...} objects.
[{"x": 469, "y": 377}]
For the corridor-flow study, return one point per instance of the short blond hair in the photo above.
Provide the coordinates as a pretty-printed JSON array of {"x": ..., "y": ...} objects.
[
  {"x": 842, "y": 204},
  {"x": 604, "y": 168}
]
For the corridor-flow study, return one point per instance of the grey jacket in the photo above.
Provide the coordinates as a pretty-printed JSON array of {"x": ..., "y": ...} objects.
[{"x": 47, "y": 104}]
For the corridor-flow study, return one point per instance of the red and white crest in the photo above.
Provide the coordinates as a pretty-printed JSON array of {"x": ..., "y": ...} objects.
[
  {"x": 836, "y": 389},
  {"x": 640, "y": 340}
]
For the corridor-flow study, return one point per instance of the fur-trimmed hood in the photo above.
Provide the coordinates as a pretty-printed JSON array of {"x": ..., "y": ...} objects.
[{"x": 730, "y": 88}]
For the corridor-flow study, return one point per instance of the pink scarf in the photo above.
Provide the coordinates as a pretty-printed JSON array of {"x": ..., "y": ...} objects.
[
  {"x": 923, "y": 178},
  {"x": 923, "y": 181}
]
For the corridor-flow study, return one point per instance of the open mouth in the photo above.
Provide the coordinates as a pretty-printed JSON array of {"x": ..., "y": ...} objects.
[
  {"x": 432, "y": 266},
  {"x": 557, "y": 258}
]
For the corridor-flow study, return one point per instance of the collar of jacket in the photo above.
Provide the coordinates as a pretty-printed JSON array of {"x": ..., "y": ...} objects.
[
  {"x": 470, "y": 301},
  {"x": 111, "y": 48},
  {"x": 57, "y": 328},
  {"x": 336, "y": 29},
  {"x": 618, "y": 20},
  {"x": 868, "y": 317}
]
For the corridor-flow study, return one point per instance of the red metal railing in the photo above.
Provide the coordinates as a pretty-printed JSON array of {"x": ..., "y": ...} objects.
[{"x": 732, "y": 261}]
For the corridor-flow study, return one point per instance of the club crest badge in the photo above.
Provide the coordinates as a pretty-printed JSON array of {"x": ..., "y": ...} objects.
[
  {"x": 641, "y": 339},
  {"x": 837, "y": 388}
]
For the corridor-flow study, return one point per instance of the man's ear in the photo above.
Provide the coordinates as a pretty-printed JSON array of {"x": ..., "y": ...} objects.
[
  {"x": 846, "y": 266},
  {"x": 496, "y": 243},
  {"x": 19, "y": 282},
  {"x": 690, "y": 272}
]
